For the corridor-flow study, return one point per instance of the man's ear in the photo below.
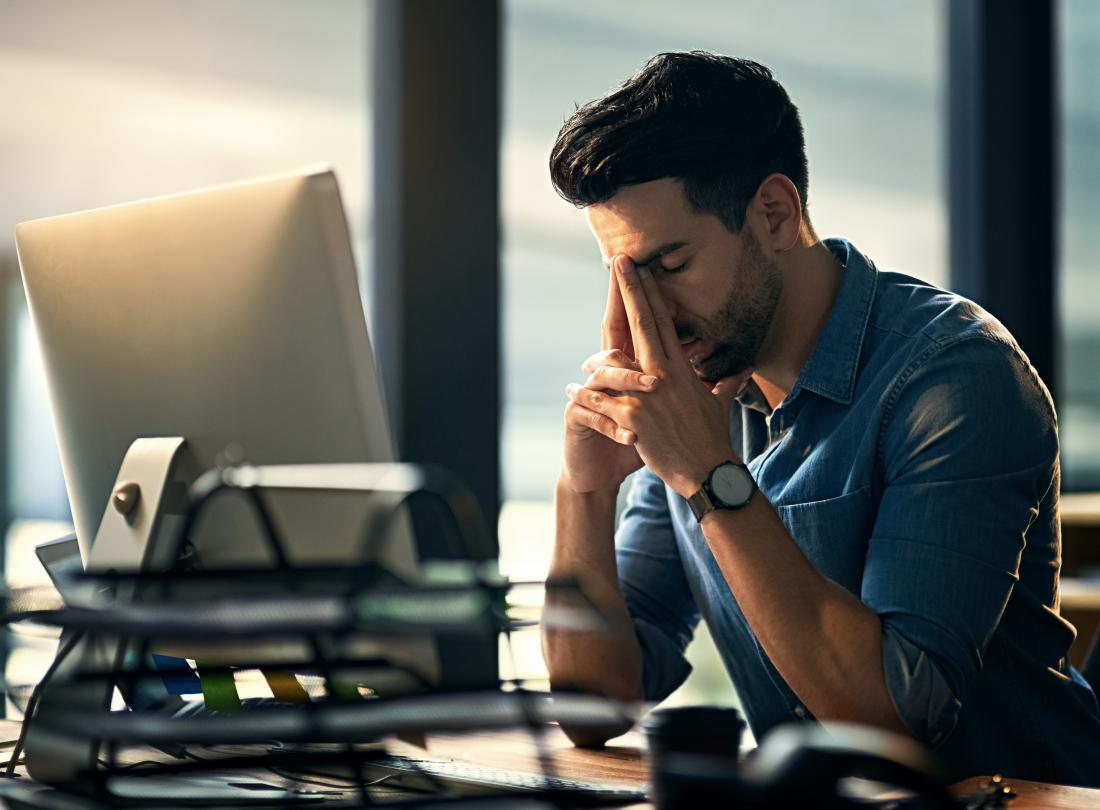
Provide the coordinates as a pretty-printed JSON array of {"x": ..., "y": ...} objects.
[{"x": 778, "y": 210}]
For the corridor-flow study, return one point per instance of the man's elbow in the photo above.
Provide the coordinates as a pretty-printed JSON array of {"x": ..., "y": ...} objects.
[
  {"x": 596, "y": 734},
  {"x": 925, "y": 692}
]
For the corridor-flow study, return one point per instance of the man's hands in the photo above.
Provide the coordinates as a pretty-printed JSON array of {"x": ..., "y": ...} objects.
[
  {"x": 643, "y": 402},
  {"x": 600, "y": 454}
]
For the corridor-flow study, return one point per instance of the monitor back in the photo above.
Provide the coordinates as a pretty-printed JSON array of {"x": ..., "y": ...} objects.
[{"x": 230, "y": 317}]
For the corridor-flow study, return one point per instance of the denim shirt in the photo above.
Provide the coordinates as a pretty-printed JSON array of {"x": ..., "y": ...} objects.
[{"x": 915, "y": 463}]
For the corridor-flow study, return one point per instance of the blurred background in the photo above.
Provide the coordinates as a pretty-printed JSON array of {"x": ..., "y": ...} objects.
[{"x": 124, "y": 99}]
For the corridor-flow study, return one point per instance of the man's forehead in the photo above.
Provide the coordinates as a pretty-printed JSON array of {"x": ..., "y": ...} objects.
[{"x": 644, "y": 221}]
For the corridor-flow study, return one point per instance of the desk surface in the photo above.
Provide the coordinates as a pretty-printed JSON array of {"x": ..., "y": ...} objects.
[{"x": 623, "y": 762}]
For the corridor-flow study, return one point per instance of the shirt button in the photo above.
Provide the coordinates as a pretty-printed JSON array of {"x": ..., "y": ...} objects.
[{"x": 800, "y": 712}]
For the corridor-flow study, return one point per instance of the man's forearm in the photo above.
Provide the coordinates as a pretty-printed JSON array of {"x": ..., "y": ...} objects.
[
  {"x": 605, "y": 663},
  {"x": 825, "y": 643}
]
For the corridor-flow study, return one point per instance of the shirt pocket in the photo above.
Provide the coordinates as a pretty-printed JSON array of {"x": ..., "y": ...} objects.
[{"x": 833, "y": 534}]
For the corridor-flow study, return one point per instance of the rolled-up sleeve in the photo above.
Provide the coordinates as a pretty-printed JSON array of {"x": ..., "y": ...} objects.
[
  {"x": 969, "y": 451},
  {"x": 652, "y": 580}
]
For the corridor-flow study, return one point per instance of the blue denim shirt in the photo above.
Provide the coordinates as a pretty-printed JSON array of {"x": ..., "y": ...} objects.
[{"x": 915, "y": 462}]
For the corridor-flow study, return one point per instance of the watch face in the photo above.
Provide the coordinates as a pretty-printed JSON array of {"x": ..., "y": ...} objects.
[{"x": 732, "y": 484}]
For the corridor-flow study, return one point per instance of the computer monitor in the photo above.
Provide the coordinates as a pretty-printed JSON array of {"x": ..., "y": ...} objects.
[{"x": 230, "y": 317}]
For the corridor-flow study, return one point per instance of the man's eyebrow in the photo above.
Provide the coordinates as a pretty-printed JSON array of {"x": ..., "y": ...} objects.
[{"x": 653, "y": 255}]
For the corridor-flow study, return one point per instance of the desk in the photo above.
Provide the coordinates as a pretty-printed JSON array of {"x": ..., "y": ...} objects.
[{"x": 623, "y": 762}]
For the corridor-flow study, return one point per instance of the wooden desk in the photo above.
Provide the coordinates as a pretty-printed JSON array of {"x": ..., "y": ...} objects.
[{"x": 623, "y": 762}]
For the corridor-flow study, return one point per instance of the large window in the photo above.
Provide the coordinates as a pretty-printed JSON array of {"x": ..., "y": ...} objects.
[
  {"x": 114, "y": 101},
  {"x": 1079, "y": 386},
  {"x": 117, "y": 101},
  {"x": 867, "y": 78}
]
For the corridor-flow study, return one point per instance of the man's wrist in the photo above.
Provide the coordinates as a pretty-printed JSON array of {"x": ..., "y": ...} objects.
[
  {"x": 584, "y": 537},
  {"x": 716, "y": 515},
  {"x": 693, "y": 481},
  {"x": 566, "y": 488}
]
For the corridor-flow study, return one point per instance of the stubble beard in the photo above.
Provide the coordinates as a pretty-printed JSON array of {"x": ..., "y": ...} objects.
[{"x": 738, "y": 329}]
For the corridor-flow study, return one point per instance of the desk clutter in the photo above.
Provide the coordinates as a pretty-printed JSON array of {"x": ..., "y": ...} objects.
[
  {"x": 385, "y": 654},
  {"x": 363, "y": 664}
]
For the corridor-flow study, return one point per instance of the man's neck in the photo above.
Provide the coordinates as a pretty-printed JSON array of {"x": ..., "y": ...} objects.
[{"x": 811, "y": 280}]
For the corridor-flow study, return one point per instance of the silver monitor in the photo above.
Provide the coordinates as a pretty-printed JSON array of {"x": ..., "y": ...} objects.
[{"x": 230, "y": 317}]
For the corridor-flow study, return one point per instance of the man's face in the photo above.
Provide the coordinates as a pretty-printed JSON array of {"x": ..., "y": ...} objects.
[{"x": 719, "y": 287}]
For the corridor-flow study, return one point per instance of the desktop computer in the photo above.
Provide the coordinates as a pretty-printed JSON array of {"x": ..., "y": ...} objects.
[{"x": 230, "y": 319}]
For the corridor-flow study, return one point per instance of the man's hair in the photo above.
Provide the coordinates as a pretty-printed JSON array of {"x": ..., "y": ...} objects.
[{"x": 719, "y": 124}]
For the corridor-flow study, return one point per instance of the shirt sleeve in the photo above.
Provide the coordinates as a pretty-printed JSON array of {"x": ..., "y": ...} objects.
[
  {"x": 651, "y": 576},
  {"x": 969, "y": 451}
]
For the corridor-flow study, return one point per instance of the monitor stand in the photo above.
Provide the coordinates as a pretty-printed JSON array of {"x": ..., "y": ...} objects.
[{"x": 143, "y": 493}]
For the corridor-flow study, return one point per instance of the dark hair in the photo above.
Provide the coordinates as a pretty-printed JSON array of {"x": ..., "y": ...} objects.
[{"x": 718, "y": 123}]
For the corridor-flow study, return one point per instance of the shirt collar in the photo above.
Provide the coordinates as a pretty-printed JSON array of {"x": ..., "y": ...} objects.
[{"x": 831, "y": 369}]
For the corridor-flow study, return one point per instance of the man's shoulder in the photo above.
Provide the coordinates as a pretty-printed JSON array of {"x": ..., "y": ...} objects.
[
  {"x": 920, "y": 335},
  {"x": 908, "y": 307},
  {"x": 913, "y": 322}
]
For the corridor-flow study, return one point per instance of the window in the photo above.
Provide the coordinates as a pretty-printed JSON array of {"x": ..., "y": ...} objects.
[{"x": 1079, "y": 388}]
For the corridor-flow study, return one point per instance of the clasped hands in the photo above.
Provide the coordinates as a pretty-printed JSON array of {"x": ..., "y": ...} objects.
[{"x": 643, "y": 402}]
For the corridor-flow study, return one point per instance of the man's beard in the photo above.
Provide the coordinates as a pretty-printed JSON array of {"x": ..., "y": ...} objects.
[{"x": 738, "y": 329}]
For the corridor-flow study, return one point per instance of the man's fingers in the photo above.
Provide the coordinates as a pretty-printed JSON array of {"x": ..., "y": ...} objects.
[
  {"x": 662, "y": 319},
  {"x": 612, "y": 378},
  {"x": 610, "y": 357},
  {"x": 580, "y": 418},
  {"x": 615, "y": 332},
  {"x": 643, "y": 329},
  {"x": 620, "y": 408}
]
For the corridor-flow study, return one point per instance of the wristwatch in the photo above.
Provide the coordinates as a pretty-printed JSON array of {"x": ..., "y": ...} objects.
[{"x": 729, "y": 486}]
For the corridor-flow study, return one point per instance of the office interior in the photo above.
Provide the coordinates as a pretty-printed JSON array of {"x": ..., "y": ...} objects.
[{"x": 974, "y": 168}]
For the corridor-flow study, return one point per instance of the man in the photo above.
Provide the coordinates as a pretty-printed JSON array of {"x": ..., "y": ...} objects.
[{"x": 850, "y": 475}]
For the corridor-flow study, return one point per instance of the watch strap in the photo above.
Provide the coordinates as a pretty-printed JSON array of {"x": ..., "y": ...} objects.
[{"x": 700, "y": 503}]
